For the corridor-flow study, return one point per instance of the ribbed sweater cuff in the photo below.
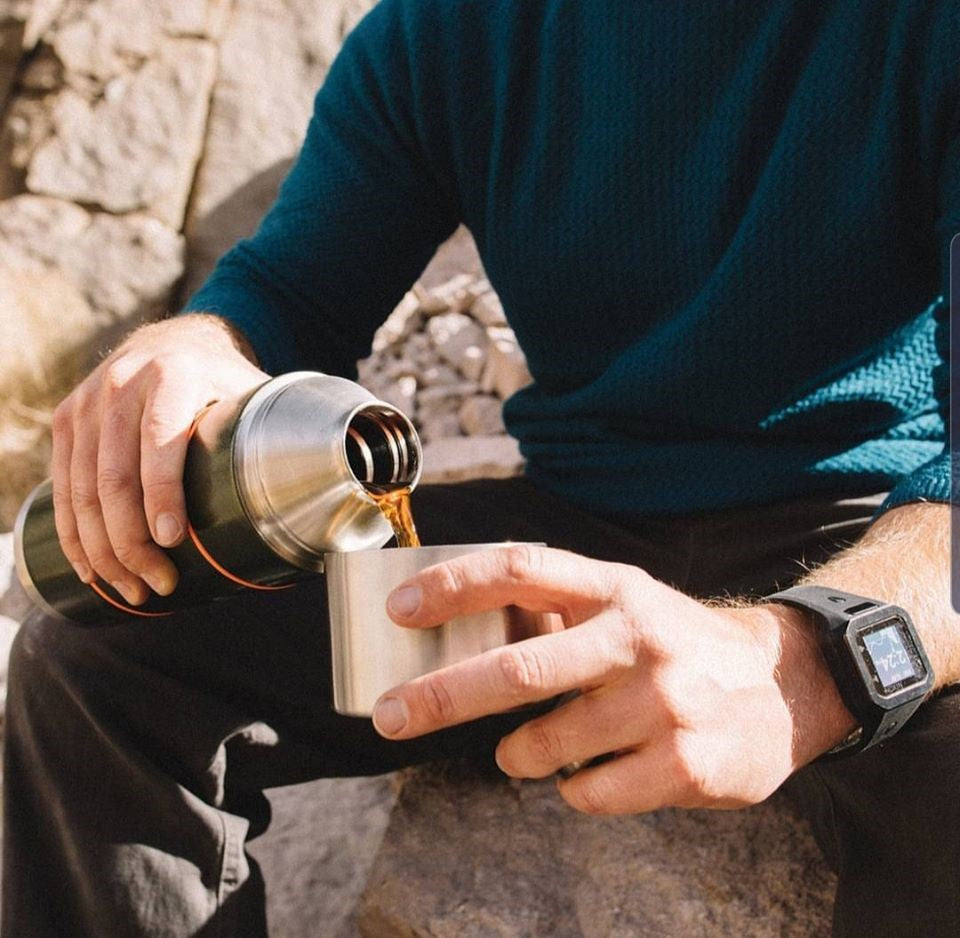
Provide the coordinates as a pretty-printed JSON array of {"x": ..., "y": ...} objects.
[{"x": 931, "y": 482}]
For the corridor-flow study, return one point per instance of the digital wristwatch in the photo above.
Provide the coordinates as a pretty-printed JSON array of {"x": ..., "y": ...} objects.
[{"x": 875, "y": 656}]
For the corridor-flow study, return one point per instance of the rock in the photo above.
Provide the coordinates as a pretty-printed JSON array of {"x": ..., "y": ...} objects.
[
  {"x": 36, "y": 15},
  {"x": 259, "y": 113},
  {"x": 124, "y": 267},
  {"x": 11, "y": 50},
  {"x": 488, "y": 310},
  {"x": 457, "y": 255},
  {"x": 438, "y": 374},
  {"x": 454, "y": 295},
  {"x": 506, "y": 366},
  {"x": 471, "y": 457},
  {"x": 466, "y": 857},
  {"x": 28, "y": 123},
  {"x": 316, "y": 855},
  {"x": 136, "y": 148},
  {"x": 402, "y": 395},
  {"x": 438, "y": 426},
  {"x": 43, "y": 72},
  {"x": 482, "y": 416},
  {"x": 405, "y": 319},
  {"x": 459, "y": 341},
  {"x": 100, "y": 40}
]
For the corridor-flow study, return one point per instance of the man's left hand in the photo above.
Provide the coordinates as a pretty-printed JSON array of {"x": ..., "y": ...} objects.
[{"x": 700, "y": 706}]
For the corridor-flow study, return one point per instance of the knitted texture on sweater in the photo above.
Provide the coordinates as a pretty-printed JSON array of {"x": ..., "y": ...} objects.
[{"x": 719, "y": 229}]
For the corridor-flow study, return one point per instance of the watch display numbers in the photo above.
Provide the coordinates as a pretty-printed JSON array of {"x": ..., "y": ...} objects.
[{"x": 891, "y": 658}]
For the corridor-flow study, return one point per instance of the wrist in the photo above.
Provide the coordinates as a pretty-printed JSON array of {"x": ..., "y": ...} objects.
[
  {"x": 210, "y": 324},
  {"x": 821, "y": 720}
]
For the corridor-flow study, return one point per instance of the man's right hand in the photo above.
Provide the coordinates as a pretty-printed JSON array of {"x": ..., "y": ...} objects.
[{"x": 119, "y": 445}]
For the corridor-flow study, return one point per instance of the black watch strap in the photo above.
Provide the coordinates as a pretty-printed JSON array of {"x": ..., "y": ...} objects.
[{"x": 834, "y": 611}]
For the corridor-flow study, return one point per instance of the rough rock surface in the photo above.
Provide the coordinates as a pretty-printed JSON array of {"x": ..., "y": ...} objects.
[
  {"x": 11, "y": 49},
  {"x": 134, "y": 149},
  {"x": 447, "y": 357},
  {"x": 466, "y": 857},
  {"x": 273, "y": 57},
  {"x": 125, "y": 266},
  {"x": 317, "y": 853}
]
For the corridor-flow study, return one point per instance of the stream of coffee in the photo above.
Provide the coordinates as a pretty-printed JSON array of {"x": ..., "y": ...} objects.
[{"x": 394, "y": 505}]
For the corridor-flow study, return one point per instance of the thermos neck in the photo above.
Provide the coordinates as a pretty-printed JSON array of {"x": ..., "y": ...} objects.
[{"x": 308, "y": 451}]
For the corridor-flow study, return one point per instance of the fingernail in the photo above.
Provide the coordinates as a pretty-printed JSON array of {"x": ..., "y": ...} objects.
[
  {"x": 390, "y": 716},
  {"x": 168, "y": 530},
  {"x": 158, "y": 584},
  {"x": 404, "y": 601},
  {"x": 84, "y": 572}
]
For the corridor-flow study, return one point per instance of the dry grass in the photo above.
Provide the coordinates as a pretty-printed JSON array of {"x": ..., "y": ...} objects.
[{"x": 47, "y": 331}]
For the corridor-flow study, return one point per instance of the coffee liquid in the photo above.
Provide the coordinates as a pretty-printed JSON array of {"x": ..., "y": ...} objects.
[{"x": 394, "y": 505}]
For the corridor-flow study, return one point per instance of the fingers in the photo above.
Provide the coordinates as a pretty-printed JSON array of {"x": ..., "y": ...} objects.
[
  {"x": 664, "y": 774},
  {"x": 538, "y": 578},
  {"x": 121, "y": 496},
  {"x": 504, "y": 678},
  {"x": 64, "y": 518},
  {"x": 592, "y": 724},
  {"x": 167, "y": 418},
  {"x": 85, "y": 497}
]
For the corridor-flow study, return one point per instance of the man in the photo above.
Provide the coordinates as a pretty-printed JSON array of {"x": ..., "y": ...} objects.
[{"x": 720, "y": 232}]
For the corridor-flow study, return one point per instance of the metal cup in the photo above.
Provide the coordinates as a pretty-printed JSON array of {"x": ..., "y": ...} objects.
[{"x": 371, "y": 653}]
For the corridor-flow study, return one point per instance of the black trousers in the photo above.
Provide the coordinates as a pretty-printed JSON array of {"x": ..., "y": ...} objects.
[{"x": 136, "y": 755}]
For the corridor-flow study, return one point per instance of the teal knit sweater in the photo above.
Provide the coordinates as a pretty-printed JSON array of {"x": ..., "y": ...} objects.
[{"x": 719, "y": 229}]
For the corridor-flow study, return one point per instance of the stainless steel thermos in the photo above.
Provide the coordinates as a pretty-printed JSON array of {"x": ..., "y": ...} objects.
[{"x": 272, "y": 482}]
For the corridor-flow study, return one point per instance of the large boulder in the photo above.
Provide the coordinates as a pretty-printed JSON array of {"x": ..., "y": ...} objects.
[
  {"x": 468, "y": 857},
  {"x": 273, "y": 58}
]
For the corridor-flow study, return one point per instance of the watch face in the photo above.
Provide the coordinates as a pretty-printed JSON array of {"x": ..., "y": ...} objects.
[{"x": 891, "y": 656}]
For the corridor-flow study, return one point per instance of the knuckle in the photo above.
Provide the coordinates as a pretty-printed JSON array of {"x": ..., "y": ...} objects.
[
  {"x": 102, "y": 559},
  {"x": 63, "y": 417},
  {"x": 673, "y": 698},
  {"x": 448, "y": 579},
  {"x": 159, "y": 428},
  {"x": 687, "y": 767},
  {"x": 129, "y": 553},
  {"x": 437, "y": 700},
  {"x": 85, "y": 500},
  {"x": 162, "y": 489},
  {"x": 62, "y": 500},
  {"x": 544, "y": 743},
  {"x": 524, "y": 672},
  {"x": 521, "y": 562},
  {"x": 113, "y": 481},
  {"x": 83, "y": 406},
  {"x": 592, "y": 796},
  {"x": 117, "y": 376}
]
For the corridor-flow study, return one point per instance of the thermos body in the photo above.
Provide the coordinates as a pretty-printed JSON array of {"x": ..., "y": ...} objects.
[{"x": 272, "y": 482}]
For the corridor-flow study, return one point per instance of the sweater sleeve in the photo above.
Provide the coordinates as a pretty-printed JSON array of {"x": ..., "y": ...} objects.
[
  {"x": 355, "y": 221},
  {"x": 932, "y": 481}
]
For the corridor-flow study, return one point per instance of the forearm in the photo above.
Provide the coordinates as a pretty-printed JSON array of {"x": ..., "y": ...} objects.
[{"x": 904, "y": 558}]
